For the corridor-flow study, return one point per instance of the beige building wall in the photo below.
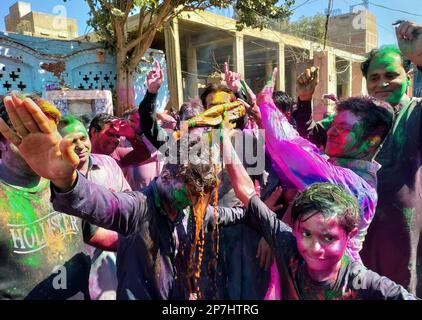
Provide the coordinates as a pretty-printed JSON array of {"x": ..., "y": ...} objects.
[
  {"x": 22, "y": 20},
  {"x": 16, "y": 12},
  {"x": 326, "y": 61},
  {"x": 358, "y": 80},
  {"x": 48, "y": 25},
  {"x": 353, "y": 32}
]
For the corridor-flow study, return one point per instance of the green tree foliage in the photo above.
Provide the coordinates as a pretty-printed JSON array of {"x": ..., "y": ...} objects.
[
  {"x": 258, "y": 13},
  {"x": 309, "y": 28}
]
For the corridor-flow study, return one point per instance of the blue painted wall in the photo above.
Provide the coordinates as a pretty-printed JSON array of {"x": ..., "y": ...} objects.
[{"x": 88, "y": 66}]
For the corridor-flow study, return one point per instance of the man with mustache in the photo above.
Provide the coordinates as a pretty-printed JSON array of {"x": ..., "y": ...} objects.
[{"x": 104, "y": 171}]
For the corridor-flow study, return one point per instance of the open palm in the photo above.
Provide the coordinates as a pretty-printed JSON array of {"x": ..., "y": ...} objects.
[
  {"x": 155, "y": 78},
  {"x": 42, "y": 152},
  {"x": 38, "y": 141}
]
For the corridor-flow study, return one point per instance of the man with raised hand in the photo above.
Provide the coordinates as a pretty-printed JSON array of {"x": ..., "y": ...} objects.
[
  {"x": 150, "y": 265},
  {"x": 104, "y": 171}
]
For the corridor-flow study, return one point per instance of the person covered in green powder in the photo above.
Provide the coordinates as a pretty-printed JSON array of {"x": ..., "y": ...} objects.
[
  {"x": 393, "y": 243},
  {"x": 41, "y": 250}
]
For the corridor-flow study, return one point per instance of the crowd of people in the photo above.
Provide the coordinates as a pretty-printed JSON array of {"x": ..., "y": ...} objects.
[{"x": 237, "y": 196}]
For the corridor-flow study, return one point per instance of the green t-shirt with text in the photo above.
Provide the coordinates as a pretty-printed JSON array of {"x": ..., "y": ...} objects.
[{"x": 40, "y": 249}]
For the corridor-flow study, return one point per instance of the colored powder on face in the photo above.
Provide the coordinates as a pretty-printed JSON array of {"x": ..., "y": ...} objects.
[
  {"x": 390, "y": 60},
  {"x": 382, "y": 60},
  {"x": 326, "y": 122},
  {"x": 221, "y": 97},
  {"x": 354, "y": 145},
  {"x": 73, "y": 128},
  {"x": 395, "y": 96},
  {"x": 180, "y": 198},
  {"x": 357, "y": 135}
]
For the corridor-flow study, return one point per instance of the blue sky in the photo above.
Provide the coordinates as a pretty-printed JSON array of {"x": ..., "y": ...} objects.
[{"x": 79, "y": 9}]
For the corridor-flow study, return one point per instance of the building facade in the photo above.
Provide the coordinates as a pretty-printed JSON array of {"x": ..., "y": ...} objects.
[
  {"x": 21, "y": 19},
  {"x": 354, "y": 32}
]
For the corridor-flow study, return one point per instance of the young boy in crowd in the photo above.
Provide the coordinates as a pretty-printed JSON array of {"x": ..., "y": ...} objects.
[{"x": 312, "y": 259}]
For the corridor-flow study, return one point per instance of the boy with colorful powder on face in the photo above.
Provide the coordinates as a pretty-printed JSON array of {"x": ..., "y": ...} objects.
[
  {"x": 312, "y": 259},
  {"x": 42, "y": 250},
  {"x": 393, "y": 244}
]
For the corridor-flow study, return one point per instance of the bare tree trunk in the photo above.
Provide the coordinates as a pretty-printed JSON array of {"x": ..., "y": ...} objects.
[
  {"x": 130, "y": 89},
  {"x": 124, "y": 87},
  {"x": 125, "y": 73},
  {"x": 121, "y": 91}
]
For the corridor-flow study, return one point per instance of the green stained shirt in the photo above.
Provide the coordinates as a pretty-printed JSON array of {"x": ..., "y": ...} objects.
[{"x": 35, "y": 243}]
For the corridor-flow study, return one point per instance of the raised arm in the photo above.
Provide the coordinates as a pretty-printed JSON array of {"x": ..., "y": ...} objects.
[
  {"x": 372, "y": 286},
  {"x": 99, "y": 237},
  {"x": 258, "y": 216},
  {"x": 134, "y": 155},
  {"x": 54, "y": 158},
  {"x": 241, "y": 182},
  {"x": 237, "y": 85},
  {"x": 225, "y": 216},
  {"x": 148, "y": 107},
  {"x": 39, "y": 143},
  {"x": 294, "y": 158},
  {"x": 307, "y": 127}
]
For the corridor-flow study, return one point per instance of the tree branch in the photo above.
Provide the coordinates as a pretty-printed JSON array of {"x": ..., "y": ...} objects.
[
  {"x": 141, "y": 22},
  {"x": 162, "y": 9},
  {"x": 166, "y": 11},
  {"x": 94, "y": 12},
  {"x": 129, "y": 5},
  {"x": 106, "y": 5}
]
